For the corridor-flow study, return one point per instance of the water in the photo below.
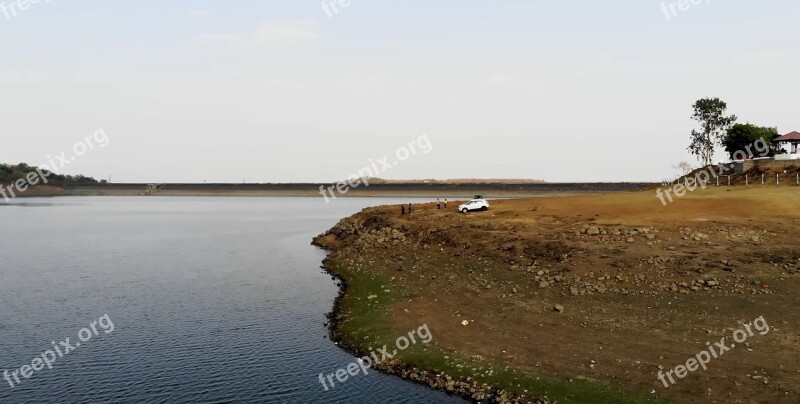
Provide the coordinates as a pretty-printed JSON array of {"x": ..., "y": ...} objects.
[{"x": 211, "y": 299}]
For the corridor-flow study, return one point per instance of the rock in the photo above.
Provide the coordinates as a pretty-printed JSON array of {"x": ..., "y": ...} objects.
[
  {"x": 559, "y": 308},
  {"x": 593, "y": 230}
]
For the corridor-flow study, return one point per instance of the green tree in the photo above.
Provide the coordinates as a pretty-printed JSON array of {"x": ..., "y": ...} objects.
[
  {"x": 710, "y": 113},
  {"x": 744, "y": 137},
  {"x": 10, "y": 173}
]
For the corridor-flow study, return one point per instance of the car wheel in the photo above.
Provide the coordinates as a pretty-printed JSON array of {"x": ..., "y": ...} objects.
[
  {"x": 484, "y": 208},
  {"x": 465, "y": 210}
]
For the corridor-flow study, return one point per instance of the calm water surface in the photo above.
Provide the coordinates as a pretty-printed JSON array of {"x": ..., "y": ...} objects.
[{"x": 212, "y": 300}]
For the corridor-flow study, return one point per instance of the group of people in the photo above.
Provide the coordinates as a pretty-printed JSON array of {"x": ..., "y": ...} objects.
[{"x": 438, "y": 206}]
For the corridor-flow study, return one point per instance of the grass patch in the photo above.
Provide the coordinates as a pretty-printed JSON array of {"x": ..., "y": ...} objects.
[
  {"x": 365, "y": 308},
  {"x": 575, "y": 390}
]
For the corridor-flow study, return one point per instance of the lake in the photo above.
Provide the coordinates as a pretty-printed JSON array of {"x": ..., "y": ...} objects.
[{"x": 211, "y": 300}]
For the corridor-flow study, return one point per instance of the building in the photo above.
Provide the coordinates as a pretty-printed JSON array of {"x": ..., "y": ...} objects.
[
  {"x": 788, "y": 142},
  {"x": 789, "y": 159}
]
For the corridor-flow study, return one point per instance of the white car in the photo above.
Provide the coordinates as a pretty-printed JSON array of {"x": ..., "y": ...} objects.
[{"x": 474, "y": 204}]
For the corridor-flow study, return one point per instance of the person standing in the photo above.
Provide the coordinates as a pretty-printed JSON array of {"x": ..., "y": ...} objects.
[
  {"x": 438, "y": 204},
  {"x": 445, "y": 203},
  {"x": 402, "y": 210},
  {"x": 409, "y": 209}
]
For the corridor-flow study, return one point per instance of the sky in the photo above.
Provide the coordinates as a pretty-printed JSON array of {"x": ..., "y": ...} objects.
[{"x": 283, "y": 91}]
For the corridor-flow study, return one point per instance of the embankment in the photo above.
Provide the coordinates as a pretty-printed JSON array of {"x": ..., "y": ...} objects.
[{"x": 465, "y": 190}]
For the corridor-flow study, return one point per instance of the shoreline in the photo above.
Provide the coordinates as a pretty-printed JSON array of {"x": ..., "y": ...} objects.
[
  {"x": 610, "y": 263},
  {"x": 432, "y": 379},
  {"x": 469, "y": 388}
]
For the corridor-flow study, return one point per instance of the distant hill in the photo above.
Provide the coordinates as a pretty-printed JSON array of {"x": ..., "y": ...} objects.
[{"x": 9, "y": 173}]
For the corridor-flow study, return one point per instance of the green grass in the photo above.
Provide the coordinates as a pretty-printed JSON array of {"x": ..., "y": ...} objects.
[
  {"x": 367, "y": 318},
  {"x": 576, "y": 390}
]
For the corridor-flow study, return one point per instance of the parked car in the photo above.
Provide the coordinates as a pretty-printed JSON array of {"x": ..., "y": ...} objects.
[{"x": 474, "y": 204}]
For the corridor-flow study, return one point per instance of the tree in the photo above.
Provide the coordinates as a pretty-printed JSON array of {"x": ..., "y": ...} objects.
[
  {"x": 11, "y": 173},
  {"x": 683, "y": 167},
  {"x": 743, "y": 140},
  {"x": 710, "y": 113}
]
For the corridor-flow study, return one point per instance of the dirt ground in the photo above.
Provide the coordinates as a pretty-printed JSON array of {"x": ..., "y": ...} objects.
[{"x": 611, "y": 287}]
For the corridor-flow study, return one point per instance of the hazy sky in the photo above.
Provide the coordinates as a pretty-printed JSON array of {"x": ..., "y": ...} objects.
[{"x": 278, "y": 91}]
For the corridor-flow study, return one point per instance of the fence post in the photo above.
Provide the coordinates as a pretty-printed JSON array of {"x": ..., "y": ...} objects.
[
  {"x": 762, "y": 178},
  {"x": 778, "y": 179},
  {"x": 729, "y": 180},
  {"x": 746, "y": 181}
]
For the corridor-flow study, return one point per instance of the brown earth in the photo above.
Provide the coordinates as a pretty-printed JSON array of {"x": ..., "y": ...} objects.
[{"x": 610, "y": 287}]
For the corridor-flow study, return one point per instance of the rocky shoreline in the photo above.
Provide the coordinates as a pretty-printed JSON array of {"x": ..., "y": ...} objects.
[
  {"x": 579, "y": 299},
  {"x": 468, "y": 388}
]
